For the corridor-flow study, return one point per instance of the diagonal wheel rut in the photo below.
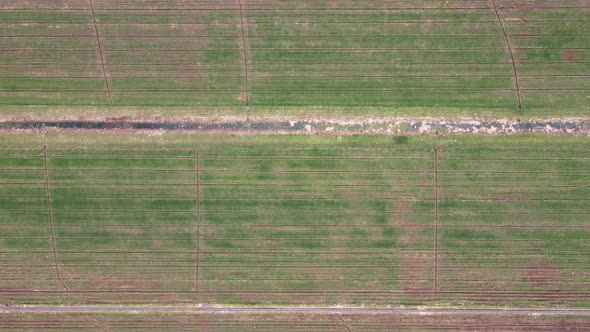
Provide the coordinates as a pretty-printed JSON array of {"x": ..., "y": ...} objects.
[
  {"x": 344, "y": 324},
  {"x": 512, "y": 56},
  {"x": 100, "y": 53},
  {"x": 50, "y": 220},
  {"x": 244, "y": 50}
]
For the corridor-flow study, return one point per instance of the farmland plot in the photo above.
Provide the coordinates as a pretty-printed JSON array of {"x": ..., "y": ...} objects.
[
  {"x": 454, "y": 54},
  {"x": 278, "y": 322},
  {"x": 317, "y": 221}
]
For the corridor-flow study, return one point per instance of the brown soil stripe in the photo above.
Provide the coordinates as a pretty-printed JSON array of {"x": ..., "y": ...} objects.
[
  {"x": 100, "y": 52},
  {"x": 442, "y": 22},
  {"x": 333, "y": 239},
  {"x": 348, "y": 37},
  {"x": 310, "y": 78},
  {"x": 293, "y": 49},
  {"x": 524, "y": 294},
  {"x": 230, "y": 7},
  {"x": 288, "y": 199},
  {"x": 473, "y": 281},
  {"x": 261, "y": 63},
  {"x": 221, "y": 91},
  {"x": 227, "y": 171},
  {"x": 367, "y": 212},
  {"x": 50, "y": 221},
  {"x": 267, "y": 251},
  {"x": 91, "y": 224},
  {"x": 251, "y": 184},
  {"x": 286, "y": 149},
  {"x": 290, "y": 158},
  {"x": 310, "y": 198},
  {"x": 425, "y": 36}
]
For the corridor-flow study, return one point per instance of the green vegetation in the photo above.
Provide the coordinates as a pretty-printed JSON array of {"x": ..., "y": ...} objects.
[
  {"x": 312, "y": 58},
  {"x": 318, "y": 322},
  {"x": 293, "y": 220}
]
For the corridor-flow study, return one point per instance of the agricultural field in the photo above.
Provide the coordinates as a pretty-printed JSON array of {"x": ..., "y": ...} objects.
[
  {"x": 309, "y": 57},
  {"x": 282, "y": 322},
  {"x": 295, "y": 220},
  {"x": 203, "y": 156}
]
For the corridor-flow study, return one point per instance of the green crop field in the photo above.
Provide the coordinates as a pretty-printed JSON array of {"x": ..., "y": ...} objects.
[
  {"x": 260, "y": 164},
  {"x": 282, "y": 322},
  {"x": 371, "y": 220},
  {"x": 309, "y": 57}
]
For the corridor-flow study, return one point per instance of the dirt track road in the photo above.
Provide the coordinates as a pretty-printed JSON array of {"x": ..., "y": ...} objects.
[
  {"x": 306, "y": 126},
  {"x": 292, "y": 310}
]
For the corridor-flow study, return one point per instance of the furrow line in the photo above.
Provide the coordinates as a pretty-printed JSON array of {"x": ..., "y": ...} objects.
[
  {"x": 512, "y": 56},
  {"x": 101, "y": 53},
  {"x": 50, "y": 221}
]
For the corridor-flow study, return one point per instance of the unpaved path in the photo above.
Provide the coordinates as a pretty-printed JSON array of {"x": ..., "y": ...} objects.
[
  {"x": 293, "y": 310},
  {"x": 325, "y": 126}
]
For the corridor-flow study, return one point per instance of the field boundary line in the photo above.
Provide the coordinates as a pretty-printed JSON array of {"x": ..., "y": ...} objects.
[
  {"x": 440, "y": 90},
  {"x": 444, "y": 36},
  {"x": 378, "y": 198},
  {"x": 443, "y": 22},
  {"x": 295, "y": 49},
  {"x": 275, "y": 63},
  {"x": 511, "y": 51},
  {"x": 436, "y": 217},
  {"x": 425, "y": 36},
  {"x": 289, "y": 149},
  {"x": 50, "y": 220},
  {"x": 487, "y": 294},
  {"x": 100, "y": 52},
  {"x": 244, "y": 48},
  {"x": 288, "y": 9},
  {"x": 186, "y": 170}
]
